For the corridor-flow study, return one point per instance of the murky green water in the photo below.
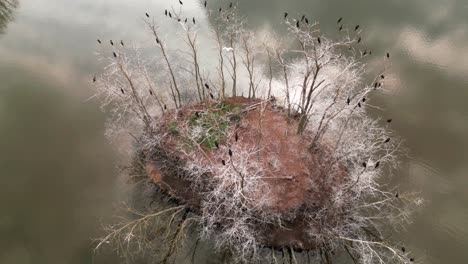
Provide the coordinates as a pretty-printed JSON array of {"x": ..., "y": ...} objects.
[{"x": 58, "y": 171}]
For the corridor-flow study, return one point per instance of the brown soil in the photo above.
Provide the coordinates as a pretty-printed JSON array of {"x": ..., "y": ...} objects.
[{"x": 293, "y": 175}]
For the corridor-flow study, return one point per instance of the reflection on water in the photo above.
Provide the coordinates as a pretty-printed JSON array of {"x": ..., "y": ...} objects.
[
  {"x": 57, "y": 169},
  {"x": 6, "y": 12}
]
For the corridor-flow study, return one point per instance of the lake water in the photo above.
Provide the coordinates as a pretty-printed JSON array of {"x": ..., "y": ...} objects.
[{"x": 58, "y": 171}]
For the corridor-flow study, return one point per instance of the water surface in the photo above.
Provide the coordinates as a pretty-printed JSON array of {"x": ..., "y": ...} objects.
[{"x": 58, "y": 171}]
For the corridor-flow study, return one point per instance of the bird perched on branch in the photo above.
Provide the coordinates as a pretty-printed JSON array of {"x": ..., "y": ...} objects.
[
  {"x": 348, "y": 100},
  {"x": 302, "y": 18},
  {"x": 387, "y": 140},
  {"x": 364, "y": 164},
  {"x": 339, "y": 20},
  {"x": 377, "y": 164},
  {"x": 223, "y": 162},
  {"x": 121, "y": 43},
  {"x": 359, "y": 40},
  {"x": 205, "y": 3},
  {"x": 356, "y": 28},
  {"x": 147, "y": 15},
  {"x": 230, "y": 152},
  {"x": 307, "y": 21},
  {"x": 236, "y": 137},
  {"x": 285, "y": 15},
  {"x": 122, "y": 90},
  {"x": 170, "y": 15},
  {"x": 111, "y": 42},
  {"x": 230, "y": 5},
  {"x": 207, "y": 86},
  {"x": 193, "y": 20},
  {"x": 99, "y": 41},
  {"x": 216, "y": 144},
  {"x": 388, "y": 55},
  {"x": 297, "y": 24},
  {"x": 180, "y": 2},
  {"x": 165, "y": 12},
  {"x": 94, "y": 79},
  {"x": 115, "y": 54},
  {"x": 389, "y": 120},
  {"x": 341, "y": 28}
]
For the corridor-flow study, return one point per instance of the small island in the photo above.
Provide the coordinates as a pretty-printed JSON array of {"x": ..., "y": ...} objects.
[{"x": 271, "y": 154}]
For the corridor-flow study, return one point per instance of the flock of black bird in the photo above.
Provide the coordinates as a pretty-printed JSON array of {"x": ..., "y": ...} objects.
[{"x": 303, "y": 19}]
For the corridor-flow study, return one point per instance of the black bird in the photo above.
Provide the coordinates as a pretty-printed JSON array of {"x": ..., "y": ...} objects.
[
  {"x": 121, "y": 43},
  {"x": 230, "y": 5},
  {"x": 165, "y": 12},
  {"x": 403, "y": 249},
  {"x": 297, "y": 24},
  {"x": 307, "y": 21},
  {"x": 122, "y": 90},
  {"x": 359, "y": 40},
  {"x": 377, "y": 164},
  {"x": 236, "y": 137},
  {"x": 302, "y": 18},
  {"x": 94, "y": 79},
  {"x": 193, "y": 19},
  {"x": 388, "y": 55},
  {"x": 230, "y": 152},
  {"x": 370, "y": 52},
  {"x": 211, "y": 95},
  {"x": 220, "y": 9},
  {"x": 285, "y": 15},
  {"x": 411, "y": 259},
  {"x": 151, "y": 92},
  {"x": 375, "y": 85},
  {"x": 115, "y": 54},
  {"x": 197, "y": 114},
  {"x": 99, "y": 41},
  {"x": 185, "y": 20},
  {"x": 147, "y": 15},
  {"x": 165, "y": 107},
  {"x": 170, "y": 15},
  {"x": 223, "y": 162},
  {"x": 180, "y": 2},
  {"x": 339, "y": 20},
  {"x": 348, "y": 100},
  {"x": 157, "y": 40},
  {"x": 397, "y": 195},
  {"x": 364, "y": 53},
  {"x": 207, "y": 86},
  {"x": 111, "y": 42},
  {"x": 380, "y": 84},
  {"x": 318, "y": 40},
  {"x": 389, "y": 120},
  {"x": 359, "y": 104},
  {"x": 363, "y": 99},
  {"x": 364, "y": 164},
  {"x": 356, "y": 28},
  {"x": 216, "y": 144},
  {"x": 178, "y": 20},
  {"x": 387, "y": 140},
  {"x": 341, "y": 28},
  {"x": 205, "y": 3},
  {"x": 382, "y": 76}
]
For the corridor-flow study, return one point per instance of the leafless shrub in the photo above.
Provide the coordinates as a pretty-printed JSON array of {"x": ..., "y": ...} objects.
[{"x": 320, "y": 81}]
